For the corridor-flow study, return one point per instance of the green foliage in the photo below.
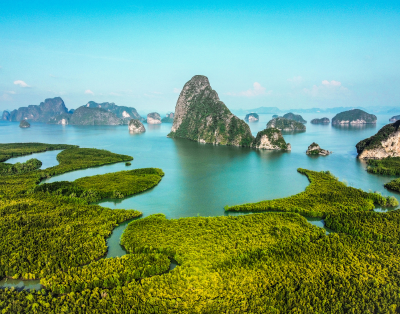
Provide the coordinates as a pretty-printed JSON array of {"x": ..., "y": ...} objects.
[
  {"x": 19, "y": 168},
  {"x": 295, "y": 117},
  {"x": 370, "y": 225},
  {"x": 324, "y": 195},
  {"x": 43, "y": 233},
  {"x": 284, "y": 124},
  {"x": 354, "y": 115},
  {"x": 128, "y": 164},
  {"x": 376, "y": 140},
  {"x": 274, "y": 136},
  {"x": 387, "y": 166},
  {"x": 209, "y": 119},
  {"x": 107, "y": 273},
  {"x": 123, "y": 183},
  {"x": 8, "y": 151}
]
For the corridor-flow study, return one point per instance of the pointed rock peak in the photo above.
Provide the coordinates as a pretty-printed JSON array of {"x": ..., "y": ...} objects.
[{"x": 200, "y": 80}]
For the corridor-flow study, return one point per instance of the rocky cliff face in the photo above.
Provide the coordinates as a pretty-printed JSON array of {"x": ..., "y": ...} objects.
[
  {"x": 24, "y": 124},
  {"x": 94, "y": 116},
  {"x": 270, "y": 139},
  {"x": 314, "y": 149},
  {"x": 320, "y": 121},
  {"x": 385, "y": 143},
  {"x": 122, "y": 112},
  {"x": 5, "y": 116},
  {"x": 295, "y": 117},
  {"x": 286, "y": 125},
  {"x": 394, "y": 118},
  {"x": 48, "y": 109},
  {"x": 201, "y": 116},
  {"x": 135, "y": 126},
  {"x": 153, "y": 118},
  {"x": 355, "y": 116},
  {"x": 252, "y": 117}
]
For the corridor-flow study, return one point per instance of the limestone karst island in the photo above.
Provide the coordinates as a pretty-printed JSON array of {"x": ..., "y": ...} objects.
[{"x": 197, "y": 157}]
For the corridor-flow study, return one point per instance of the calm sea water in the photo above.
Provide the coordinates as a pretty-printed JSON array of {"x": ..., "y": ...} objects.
[{"x": 200, "y": 179}]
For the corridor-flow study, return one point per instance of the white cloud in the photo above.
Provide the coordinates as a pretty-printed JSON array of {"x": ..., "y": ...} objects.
[
  {"x": 21, "y": 83},
  {"x": 114, "y": 94},
  {"x": 327, "y": 89},
  {"x": 88, "y": 91},
  {"x": 257, "y": 90},
  {"x": 177, "y": 90}
]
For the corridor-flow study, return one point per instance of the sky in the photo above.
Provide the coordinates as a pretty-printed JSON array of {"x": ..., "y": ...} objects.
[{"x": 285, "y": 54}]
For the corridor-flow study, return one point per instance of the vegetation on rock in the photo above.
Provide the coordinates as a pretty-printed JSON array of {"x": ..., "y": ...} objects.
[
  {"x": 201, "y": 116},
  {"x": 284, "y": 124},
  {"x": 375, "y": 142},
  {"x": 295, "y": 117},
  {"x": 94, "y": 116},
  {"x": 24, "y": 124},
  {"x": 251, "y": 117},
  {"x": 320, "y": 121},
  {"x": 270, "y": 139},
  {"x": 355, "y": 116},
  {"x": 386, "y": 166},
  {"x": 314, "y": 149}
]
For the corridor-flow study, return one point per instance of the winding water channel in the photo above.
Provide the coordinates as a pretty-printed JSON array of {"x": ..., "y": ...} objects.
[{"x": 201, "y": 179}]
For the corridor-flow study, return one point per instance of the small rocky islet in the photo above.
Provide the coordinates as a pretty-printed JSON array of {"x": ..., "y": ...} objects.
[
  {"x": 354, "y": 117},
  {"x": 252, "y": 117},
  {"x": 286, "y": 125},
  {"x": 315, "y": 150},
  {"x": 24, "y": 124},
  {"x": 135, "y": 126},
  {"x": 320, "y": 121},
  {"x": 153, "y": 118}
]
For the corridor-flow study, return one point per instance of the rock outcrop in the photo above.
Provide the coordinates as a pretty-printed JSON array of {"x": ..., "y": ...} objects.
[
  {"x": 286, "y": 125},
  {"x": 169, "y": 118},
  {"x": 94, "y": 116},
  {"x": 5, "y": 116},
  {"x": 153, "y": 118},
  {"x": 355, "y": 116},
  {"x": 61, "y": 119},
  {"x": 275, "y": 116},
  {"x": 385, "y": 143},
  {"x": 122, "y": 112},
  {"x": 135, "y": 126},
  {"x": 48, "y": 109},
  {"x": 320, "y": 121},
  {"x": 24, "y": 124},
  {"x": 394, "y": 118},
  {"x": 314, "y": 149},
  {"x": 270, "y": 139},
  {"x": 295, "y": 117},
  {"x": 200, "y": 116},
  {"x": 252, "y": 117}
]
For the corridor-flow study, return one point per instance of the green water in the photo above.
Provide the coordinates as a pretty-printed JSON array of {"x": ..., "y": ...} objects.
[{"x": 200, "y": 179}]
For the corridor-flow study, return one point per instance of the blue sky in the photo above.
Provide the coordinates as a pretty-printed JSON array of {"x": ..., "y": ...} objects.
[{"x": 290, "y": 55}]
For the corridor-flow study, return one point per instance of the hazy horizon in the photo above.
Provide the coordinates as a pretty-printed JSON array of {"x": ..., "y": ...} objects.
[{"x": 285, "y": 55}]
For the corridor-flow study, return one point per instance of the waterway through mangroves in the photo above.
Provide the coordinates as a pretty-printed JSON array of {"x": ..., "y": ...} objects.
[{"x": 200, "y": 179}]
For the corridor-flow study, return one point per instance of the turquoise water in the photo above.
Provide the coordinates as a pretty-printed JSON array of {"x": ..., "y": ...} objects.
[{"x": 200, "y": 179}]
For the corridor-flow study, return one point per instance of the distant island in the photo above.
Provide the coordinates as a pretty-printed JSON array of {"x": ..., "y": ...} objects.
[
  {"x": 24, "y": 124},
  {"x": 54, "y": 111},
  {"x": 286, "y": 125},
  {"x": 394, "y": 118},
  {"x": 200, "y": 116},
  {"x": 251, "y": 117},
  {"x": 315, "y": 150},
  {"x": 135, "y": 126},
  {"x": 320, "y": 121},
  {"x": 271, "y": 139},
  {"x": 153, "y": 118},
  {"x": 295, "y": 117},
  {"x": 169, "y": 118},
  {"x": 385, "y": 143},
  {"x": 355, "y": 116}
]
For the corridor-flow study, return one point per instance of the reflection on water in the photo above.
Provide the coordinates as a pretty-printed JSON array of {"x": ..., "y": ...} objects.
[
  {"x": 48, "y": 159},
  {"x": 20, "y": 284},
  {"x": 354, "y": 127}
]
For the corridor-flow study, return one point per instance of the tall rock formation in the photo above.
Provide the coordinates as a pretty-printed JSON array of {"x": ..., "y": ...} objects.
[
  {"x": 153, "y": 118},
  {"x": 5, "y": 116},
  {"x": 385, "y": 143},
  {"x": 200, "y": 116},
  {"x": 135, "y": 126},
  {"x": 122, "y": 112},
  {"x": 94, "y": 116},
  {"x": 48, "y": 109}
]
